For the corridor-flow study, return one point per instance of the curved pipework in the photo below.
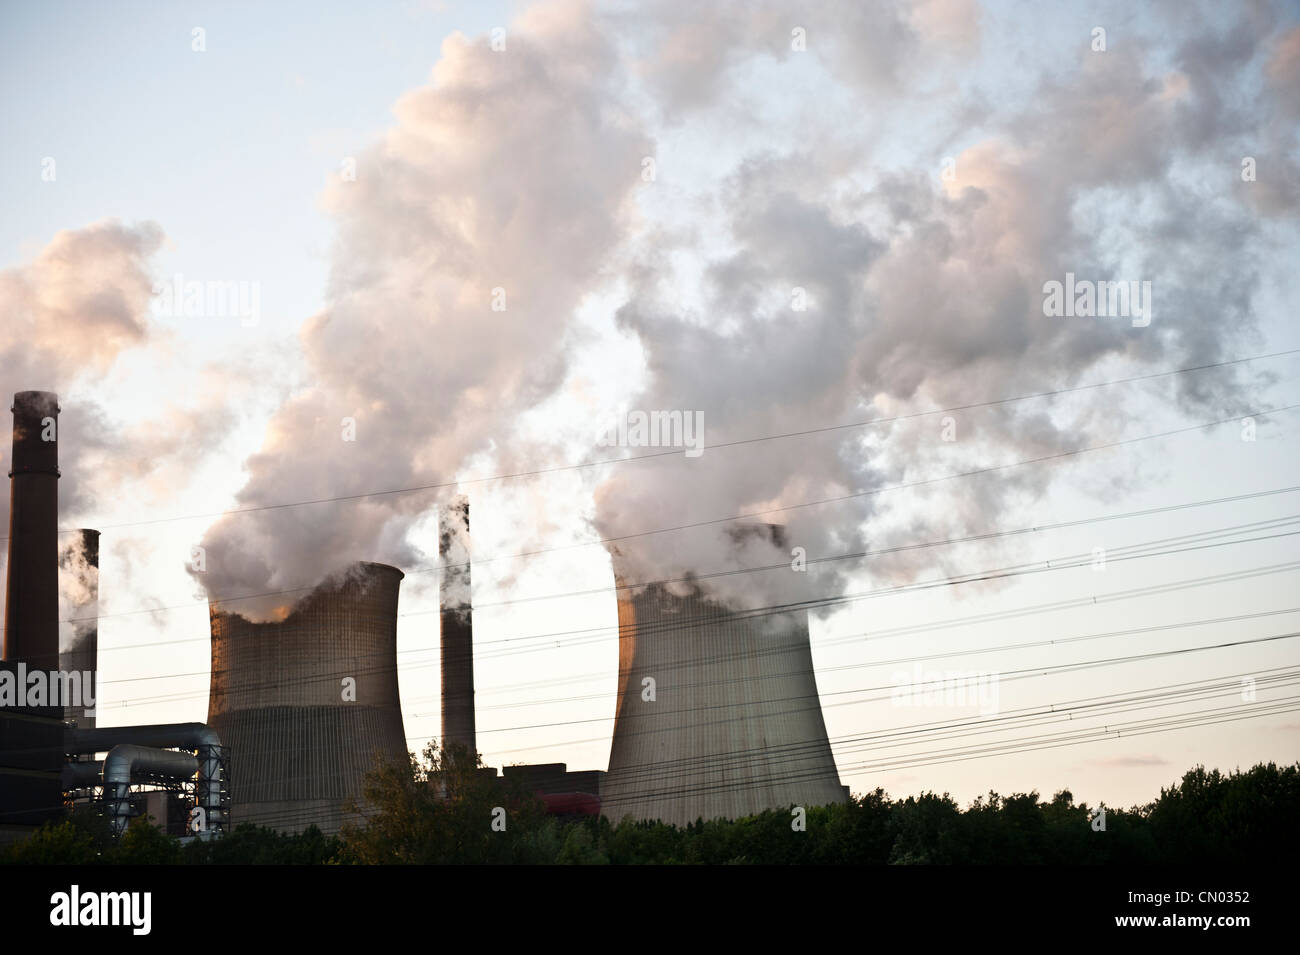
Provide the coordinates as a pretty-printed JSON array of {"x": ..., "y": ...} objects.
[
  {"x": 127, "y": 760},
  {"x": 197, "y": 736},
  {"x": 100, "y": 738}
]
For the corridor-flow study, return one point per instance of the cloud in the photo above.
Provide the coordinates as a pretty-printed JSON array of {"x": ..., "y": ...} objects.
[
  {"x": 77, "y": 305},
  {"x": 69, "y": 313},
  {"x": 1273, "y": 193},
  {"x": 1284, "y": 72},
  {"x": 78, "y": 320},
  {"x": 928, "y": 294},
  {"x": 514, "y": 176},
  {"x": 504, "y": 181},
  {"x": 1131, "y": 762},
  {"x": 690, "y": 56}
]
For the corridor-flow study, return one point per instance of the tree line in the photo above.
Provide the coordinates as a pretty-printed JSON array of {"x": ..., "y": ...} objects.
[{"x": 442, "y": 810}]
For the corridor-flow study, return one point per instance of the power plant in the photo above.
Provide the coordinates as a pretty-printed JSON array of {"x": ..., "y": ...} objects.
[
  {"x": 307, "y": 703},
  {"x": 49, "y": 745},
  {"x": 717, "y": 713}
]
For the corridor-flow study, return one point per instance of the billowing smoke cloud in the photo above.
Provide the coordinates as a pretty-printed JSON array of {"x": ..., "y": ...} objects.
[
  {"x": 822, "y": 277},
  {"x": 690, "y": 54},
  {"x": 836, "y": 302},
  {"x": 454, "y": 552},
  {"x": 77, "y": 305},
  {"x": 76, "y": 316},
  {"x": 79, "y": 612},
  {"x": 78, "y": 590},
  {"x": 466, "y": 241},
  {"x": 69, "y": 313},
  {"x": 1276, "y": 196}
]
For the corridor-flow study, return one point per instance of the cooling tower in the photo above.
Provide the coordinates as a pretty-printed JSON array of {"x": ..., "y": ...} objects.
[
  {"x": 79, "y": 646},
  {"x": 32, "y": 585},
  {"x": 457, "y": 618},
  {"x": 735, "y": 723},
  {"x": 304, "y": 705}
]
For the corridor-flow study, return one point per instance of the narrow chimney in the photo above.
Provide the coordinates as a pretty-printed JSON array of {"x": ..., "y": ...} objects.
[
  {"x": 32, "y": 588},
  {"x": 457, "y": 628},
  {"x": 79, "y": 651}
]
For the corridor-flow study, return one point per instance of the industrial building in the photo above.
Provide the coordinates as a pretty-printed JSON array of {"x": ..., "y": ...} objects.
[
  {"x": 306, "y": 704},
  {"x": 564, "y": 793},
  {"x": 729, "y": 725},
  {"x": 718, "y": 713},
  {"x": 49, "y": 745}
]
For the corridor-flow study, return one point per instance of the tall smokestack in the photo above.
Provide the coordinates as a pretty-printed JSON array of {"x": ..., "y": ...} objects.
[
  {"x": 457, "y": 628},
  {"x": 32, "y": 587},
  {"x": 79, "y": 648}
]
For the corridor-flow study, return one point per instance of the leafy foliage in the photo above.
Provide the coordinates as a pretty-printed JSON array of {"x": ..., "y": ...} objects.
[
  {"x": 440, "y": 810},
  {"x": 447, "y": 808}
]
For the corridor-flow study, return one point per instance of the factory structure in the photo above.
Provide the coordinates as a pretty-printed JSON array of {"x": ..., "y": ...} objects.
[
  {"x": 717, "y": 712},
  {"x": 305, "y": 704},
  {"x": 52, "y": 753}
]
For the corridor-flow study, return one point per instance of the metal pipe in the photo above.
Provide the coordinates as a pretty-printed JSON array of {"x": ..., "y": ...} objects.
[
  {"x": 101, "y": 738},
  {"x": 197, "y": 736},
  {"x": 128, "y": 760},
  {"x": 81, "y": 774}
]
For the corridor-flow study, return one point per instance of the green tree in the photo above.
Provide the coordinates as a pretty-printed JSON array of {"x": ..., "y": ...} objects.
[
  {"x": 55, "y": 843},
  {"x": 444, "y": 809},
  {"x": 143, "y": 843}
]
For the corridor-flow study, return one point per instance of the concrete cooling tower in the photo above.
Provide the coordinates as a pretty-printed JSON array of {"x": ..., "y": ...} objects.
[
  {"x": 735, "y": 724},
  {"x": 305, "y": 704}
]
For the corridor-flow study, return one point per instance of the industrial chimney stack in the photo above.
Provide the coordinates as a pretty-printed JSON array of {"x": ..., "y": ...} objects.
[
  {"x": 79, "y": 652},
  {"x": 32, "y": 588},
  {"x": 31, "y": 734},
  {"x": 457, "y": 628}
]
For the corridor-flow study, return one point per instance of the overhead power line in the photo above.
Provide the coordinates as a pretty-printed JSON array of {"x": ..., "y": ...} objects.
[
  {"x": 785, "y": 608},
  {"x": 535, "y": 472}
]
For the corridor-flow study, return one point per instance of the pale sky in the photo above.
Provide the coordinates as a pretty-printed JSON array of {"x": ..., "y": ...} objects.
[{"x": 375, "y": 171}]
